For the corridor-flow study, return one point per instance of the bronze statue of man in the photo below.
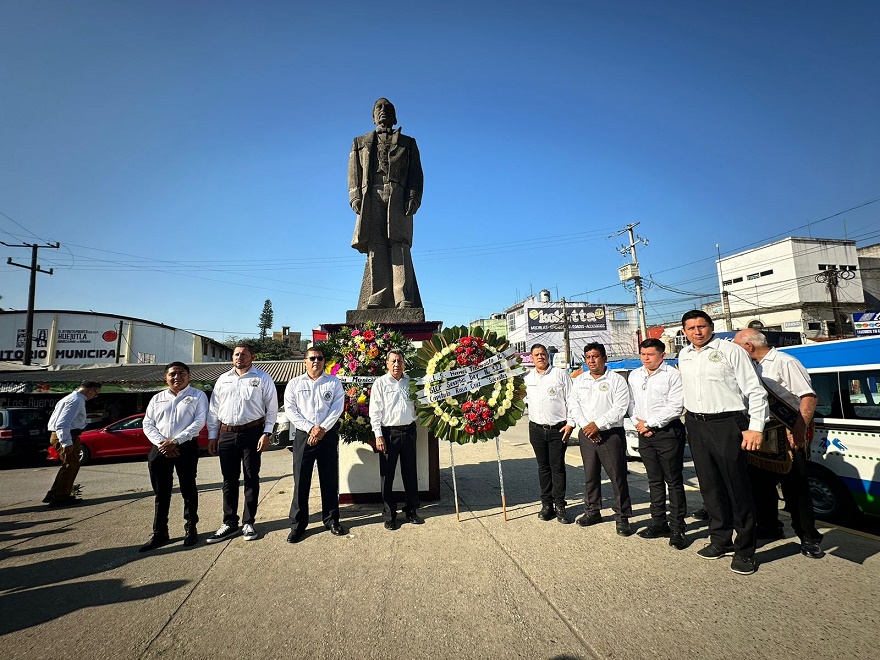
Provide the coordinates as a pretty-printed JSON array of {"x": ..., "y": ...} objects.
[{"x": 385, "y": 190}]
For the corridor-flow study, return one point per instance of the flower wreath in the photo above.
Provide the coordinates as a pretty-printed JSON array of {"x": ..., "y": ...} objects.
[
  {"x": 475, "y": 415},
  {"x": 357, "y": 356}
]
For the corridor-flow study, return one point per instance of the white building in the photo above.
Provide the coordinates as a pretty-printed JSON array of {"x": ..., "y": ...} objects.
[
  {"x": 65, "y": 337},
  {"x": 784, "y": 286},
  {"x": 541, "y": 321}
]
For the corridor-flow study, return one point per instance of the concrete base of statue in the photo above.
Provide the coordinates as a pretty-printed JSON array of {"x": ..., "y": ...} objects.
[{"x": 359, "y": 481}]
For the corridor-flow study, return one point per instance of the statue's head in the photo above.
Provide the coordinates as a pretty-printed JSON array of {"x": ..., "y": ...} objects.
[{"x": 383, "y": 113}]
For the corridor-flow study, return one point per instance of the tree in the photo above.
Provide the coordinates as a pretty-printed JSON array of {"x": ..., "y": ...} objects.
[{"x": 266, "y": 319}]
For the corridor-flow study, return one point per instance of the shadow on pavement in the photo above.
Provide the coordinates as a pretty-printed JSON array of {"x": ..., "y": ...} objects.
[{"x": 24, "y": 609}]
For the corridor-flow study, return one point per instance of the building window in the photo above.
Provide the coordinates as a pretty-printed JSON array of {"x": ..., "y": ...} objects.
[
  {"x": 511, "y": 322},
  {"x": 736, "y": 279},
  {"x": 765, "y": 273},
  {"x": 728, "y": 282},
  {"x": 753, "y": 276}
]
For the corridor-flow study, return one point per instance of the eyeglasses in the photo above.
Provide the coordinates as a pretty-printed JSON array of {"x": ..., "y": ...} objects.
[{"x": 315, "y": 358}]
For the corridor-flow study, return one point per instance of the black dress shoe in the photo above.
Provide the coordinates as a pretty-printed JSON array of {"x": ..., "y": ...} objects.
[
  {"x": 415, "y": 518},
  {"x": 653, "y": 531},
  {"x": 678, "y": 541},
  {"x": 156, "y": 541},
  {"x": 296, "y": 535},
  {"x": 589, "y": 519},
  {"x": 390, "y": 525},
  {"x": 48, "y": 497},
  {"x": 560, "y": 515},
  {"x": 70, "y": 500},
  {"x": 812, "y": 550},
  {"x": 623, "y": 528},
  {"x": 191, "y": 538},
  {"x": 338, "y": 530},
  {"x": 700, "y": 514},
  {"x": 547, "y": 513}
]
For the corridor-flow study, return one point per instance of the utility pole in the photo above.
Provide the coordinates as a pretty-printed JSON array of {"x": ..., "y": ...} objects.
[
  {"x": 631, "y": 272},
  {"x": 32, "y": 291},
  {"x": 565, "y": 337},
  {"x": 725, "y": 298},
  {"x": 831, "y": 278}
]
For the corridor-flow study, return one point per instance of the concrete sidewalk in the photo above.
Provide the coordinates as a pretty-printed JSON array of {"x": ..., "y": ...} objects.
[{"x": 72, "y": 583}]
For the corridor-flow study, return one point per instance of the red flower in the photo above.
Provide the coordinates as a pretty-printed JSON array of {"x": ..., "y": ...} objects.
[
  {"x": 369, "y": 335},
  {"x": 470, "y": 429},
  {"x": 462, "y": 360},
  {"x": 467, "y": 405},
  {"x": 471, "y": 416},
  {"x": 485, "y": 414}
]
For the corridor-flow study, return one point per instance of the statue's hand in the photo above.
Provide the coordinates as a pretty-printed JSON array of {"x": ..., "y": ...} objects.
[
  {"x": 356, "y": 205},
  {"x": 411, "y": 207}
]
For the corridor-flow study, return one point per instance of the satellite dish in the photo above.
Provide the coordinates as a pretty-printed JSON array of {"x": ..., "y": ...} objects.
[{"x": 756, "y": 325}]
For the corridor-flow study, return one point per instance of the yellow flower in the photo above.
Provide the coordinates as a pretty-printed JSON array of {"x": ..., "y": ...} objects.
[{"x": 362, "y": 398}]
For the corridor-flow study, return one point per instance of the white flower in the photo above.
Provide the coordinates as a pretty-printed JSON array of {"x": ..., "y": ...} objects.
[
  {"x": 450, "y": 401},
  {"x": 446, "y": 418},
  {"x": 448, "y": 349},
  {"x": 454, "y": 421},
  {"x": 492, "y": 401}
]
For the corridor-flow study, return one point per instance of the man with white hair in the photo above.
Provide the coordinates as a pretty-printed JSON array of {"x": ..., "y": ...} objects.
[{"x": 785, "y": 377}]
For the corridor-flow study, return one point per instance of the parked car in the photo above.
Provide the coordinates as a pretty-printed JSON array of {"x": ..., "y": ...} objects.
[
  {"x": 23, "y": 431},
  {"x": 120, "y": 439}
]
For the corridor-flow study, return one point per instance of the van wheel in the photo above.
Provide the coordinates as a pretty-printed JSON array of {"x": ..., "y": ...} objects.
[
  {"x": 831, "y": 499},
  {"x": 84, "y": 454}
]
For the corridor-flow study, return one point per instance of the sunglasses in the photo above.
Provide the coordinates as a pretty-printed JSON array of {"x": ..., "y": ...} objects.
[{"x": 315, "y": 358}]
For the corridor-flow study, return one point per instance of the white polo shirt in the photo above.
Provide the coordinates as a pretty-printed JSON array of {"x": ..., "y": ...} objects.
[
  {"x": 785, "y": 376},
  {"x": 390, "y": 403},
  {"x": 180, "y": 417},
  {"x": 656, "y": 398},
  {"x": 718, "y": 378},
  {"x": 309, "y": 403},
  {"x": 603, "y": 400},
  {"x": 549, "y": 395}
]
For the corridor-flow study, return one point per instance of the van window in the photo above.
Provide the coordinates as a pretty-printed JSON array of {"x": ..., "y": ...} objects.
[
  {"x": 828, "y": 394},
  {"x": 861, "y": 394}
]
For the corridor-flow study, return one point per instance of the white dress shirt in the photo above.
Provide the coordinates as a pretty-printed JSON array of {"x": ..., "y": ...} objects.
[
  {"x": 720, "y": 378},
  {"x": 239, "y": 400},
  {"x": 549, "y": 395},
  {"x": 655, "y": 398},
  {"x": 69, "y": 413},
  {"x": 178, "y": 417},
  {"x": 603, "y": 400},
  {"x": 309, "y": 403},
  {"x": 390, "y": 403},
  {"x": 785, "y": 376}
]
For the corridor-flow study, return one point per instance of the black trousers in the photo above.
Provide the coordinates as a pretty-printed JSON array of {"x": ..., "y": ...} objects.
[
  {"x": 326, "y": 455},
  {"x": 795, "y": 492},
  {"x": 722, "y": 469},
  {"x": 550, "y": 454},
  {"x": 610, "y": 454},
  {"x": 238, "y": 451},
  {"x": 400, "y": 444},
  {"x": 663, "y": 457},
  {"x": 162, "y": 471}
]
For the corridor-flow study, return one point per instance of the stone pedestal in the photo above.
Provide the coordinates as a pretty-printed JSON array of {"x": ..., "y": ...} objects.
[
  {"x": 359, "y": 472},
  {"x": 390, "y": 316}
]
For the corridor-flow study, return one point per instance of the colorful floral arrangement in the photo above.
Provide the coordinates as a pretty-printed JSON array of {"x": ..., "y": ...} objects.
[
  {"x": 476, "y": 415},
  {"x": 354, "y": 353}
]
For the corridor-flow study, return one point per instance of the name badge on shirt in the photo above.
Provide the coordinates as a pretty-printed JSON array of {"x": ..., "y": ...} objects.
[
  {"x": 715, "y": 356},
  {"x": 255, "y": 382},
  {"x": 188, "y": 400},
  {"x": 327, "y": 395},
  {"x": 551, "y": 392},
  {"x": 603, "y": 387}
]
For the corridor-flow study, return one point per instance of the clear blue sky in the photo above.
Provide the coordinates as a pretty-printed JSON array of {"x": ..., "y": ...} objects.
[{"x": 191, "y": 156}]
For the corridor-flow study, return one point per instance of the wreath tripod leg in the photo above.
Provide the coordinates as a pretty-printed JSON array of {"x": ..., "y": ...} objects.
[
  {"x": 501, "y": 478},
  {"x": 454, "y": 484}
]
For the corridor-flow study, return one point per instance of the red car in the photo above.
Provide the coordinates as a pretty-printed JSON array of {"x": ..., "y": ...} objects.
[{"x": 125, "y": 437}]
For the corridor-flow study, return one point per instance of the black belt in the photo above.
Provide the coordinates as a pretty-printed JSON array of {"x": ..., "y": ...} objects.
[
  {"x": 709, "y": 417},
  {"x": 242, "y": 427},
  {"x": 555, "y": 427},
  {"x": 400, "y": 428}
]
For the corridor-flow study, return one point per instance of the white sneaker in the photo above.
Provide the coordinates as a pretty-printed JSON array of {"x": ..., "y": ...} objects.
[{"x": 249, "y": 533}]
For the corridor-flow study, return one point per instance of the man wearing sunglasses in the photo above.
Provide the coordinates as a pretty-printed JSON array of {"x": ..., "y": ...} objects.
[
  {"x": 656, "y": 405},
  {"x": 241, "y": 416},
  {"x": 314, "y": 402}
]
